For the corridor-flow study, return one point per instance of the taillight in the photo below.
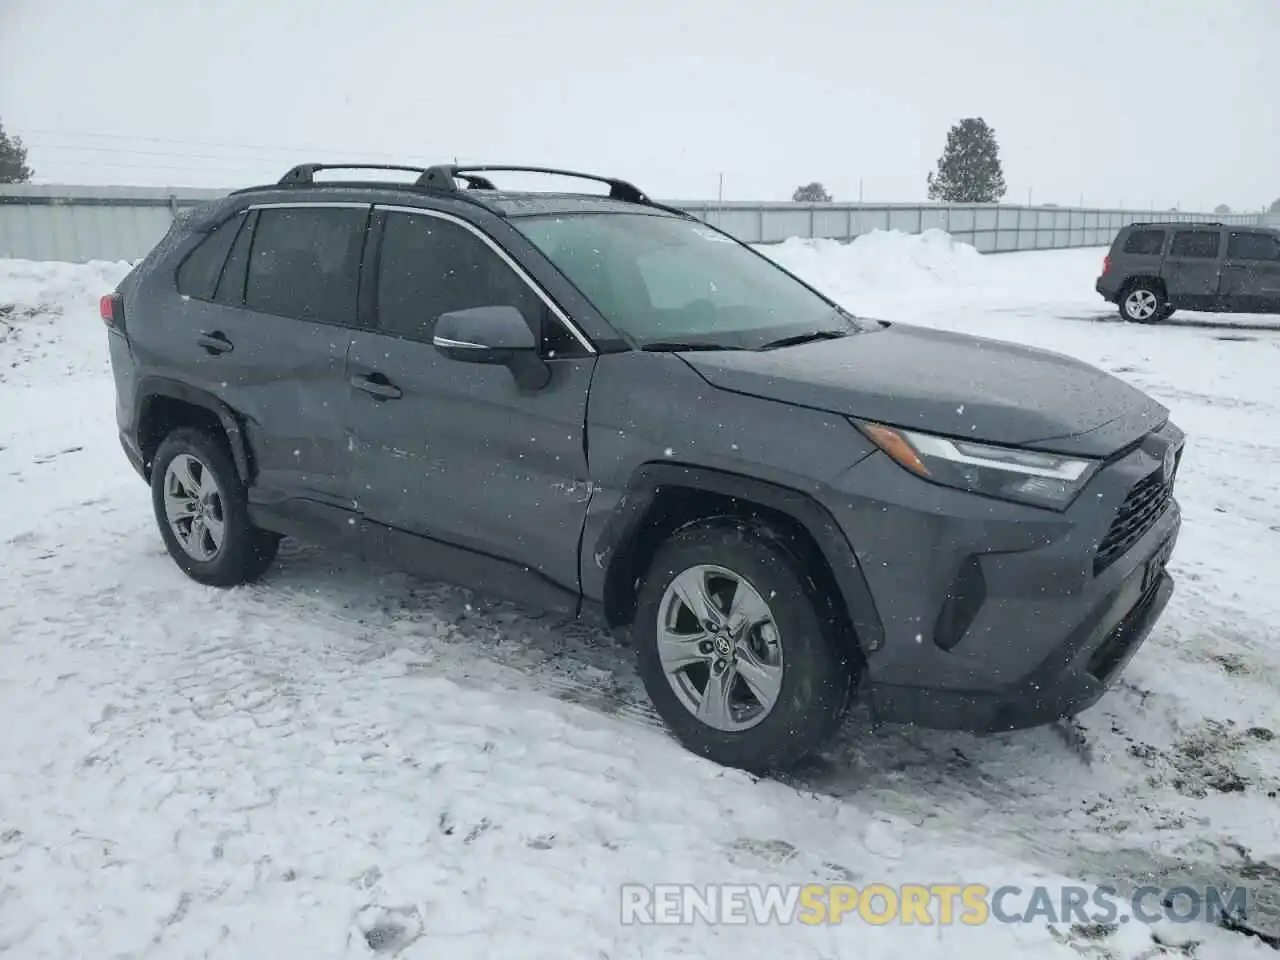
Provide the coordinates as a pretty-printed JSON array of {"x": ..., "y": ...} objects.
[
  {"x": 111, "y": 309},
  {"x": 1106, "y": 264}
]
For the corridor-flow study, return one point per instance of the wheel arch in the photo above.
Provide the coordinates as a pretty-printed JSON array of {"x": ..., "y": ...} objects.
[
  {"x": 1145, "y": 278},
  {"x": 165, "y": 404},
  {"x": 663, "y": 497}
]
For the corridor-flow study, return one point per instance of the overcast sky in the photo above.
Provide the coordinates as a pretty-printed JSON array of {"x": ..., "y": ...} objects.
[{"x": 1143, "y": 101}]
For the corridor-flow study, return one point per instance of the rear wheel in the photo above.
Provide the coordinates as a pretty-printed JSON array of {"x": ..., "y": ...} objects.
[
  {"x": 203, "y": 512},
  {"x": 1144, "y": 302},
  {"x": 739, "y": 651}
]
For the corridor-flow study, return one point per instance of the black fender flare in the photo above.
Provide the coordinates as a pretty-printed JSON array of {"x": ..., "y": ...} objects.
[
  {"x": 152, "y": 386},
  {"x": 643, "y": 488}
]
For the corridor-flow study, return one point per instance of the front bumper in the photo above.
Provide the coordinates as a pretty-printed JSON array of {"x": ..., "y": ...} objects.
[{"x": 994, "y": 617}]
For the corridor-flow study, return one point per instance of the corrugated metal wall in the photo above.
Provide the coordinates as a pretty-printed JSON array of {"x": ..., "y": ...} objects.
[
  {"x": 992, "y": 228},
  {"x": 88, "y": 223},
  {"x": 76, "y": 224}
]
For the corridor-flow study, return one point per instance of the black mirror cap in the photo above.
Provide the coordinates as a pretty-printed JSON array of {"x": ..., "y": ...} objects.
[
  {"x": 490, "y": 334},
  {"x": 495, "y": 335}
]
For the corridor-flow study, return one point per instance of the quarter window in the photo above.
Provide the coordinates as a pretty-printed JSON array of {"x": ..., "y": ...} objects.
[
  {"x": 1145, "y": 242},
  {"x": 199, "y": 272}
]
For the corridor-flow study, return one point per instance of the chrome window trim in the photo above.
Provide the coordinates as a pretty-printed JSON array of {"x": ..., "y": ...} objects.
[
  {"x": 302, "y": 204},
  {"x": 503, "y": 255}
]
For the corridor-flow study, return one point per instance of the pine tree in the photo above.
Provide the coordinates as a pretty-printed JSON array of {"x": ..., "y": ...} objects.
[
  {"x": 1275, "y": 207},
  {"x": 969, "y": 168},
  {"x": 1222, "y": 208},
  {"x": 811, "y": 193},
  {"x": 13, "y": 159}
]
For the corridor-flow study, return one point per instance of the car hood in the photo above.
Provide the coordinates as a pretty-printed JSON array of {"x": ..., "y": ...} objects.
[{"x": 947, "y": 383}]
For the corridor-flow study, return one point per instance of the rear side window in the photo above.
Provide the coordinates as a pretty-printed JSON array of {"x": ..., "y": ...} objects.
[
  {"x": 199, "y": 272},
  {"x": 1145, "y": 242},
  {"x": 1195, "y": 243},
  {"x": 305, "y": 263},
  {"x": 230, "y": 289},
  {"x": 429, "y": 266},
  {"x": 1253, "y": 246}
]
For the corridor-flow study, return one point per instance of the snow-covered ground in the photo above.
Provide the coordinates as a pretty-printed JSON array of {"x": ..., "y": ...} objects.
[{"x": 342, "y": 761}]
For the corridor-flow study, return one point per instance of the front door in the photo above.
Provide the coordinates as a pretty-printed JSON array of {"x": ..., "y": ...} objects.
[
  {"x": 457, "y": 453},
  {"x": 1251, "y": 272},
  {"x": 1191, "y": 268}
]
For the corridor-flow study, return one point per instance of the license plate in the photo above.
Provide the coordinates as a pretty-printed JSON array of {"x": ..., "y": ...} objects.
[{"x": 1155, "y": 566}]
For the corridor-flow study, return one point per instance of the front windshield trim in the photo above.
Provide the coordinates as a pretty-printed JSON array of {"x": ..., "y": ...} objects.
[{"x": 666, "y": 277}]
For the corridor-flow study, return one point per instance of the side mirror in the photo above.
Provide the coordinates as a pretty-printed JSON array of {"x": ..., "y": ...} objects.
[{"x": 494, "y": 335}]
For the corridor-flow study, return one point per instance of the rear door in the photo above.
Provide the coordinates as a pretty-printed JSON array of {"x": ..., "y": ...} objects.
[
  {"x": 1192, "y": 267},
  {"x": 460, "y": 454},
  {"x": 272, "y": 338},
  {"x": 1251, "y": 272}
]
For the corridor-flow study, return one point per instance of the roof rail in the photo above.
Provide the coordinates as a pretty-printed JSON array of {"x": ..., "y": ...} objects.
[
  {"x": 304, "y": 174},
  {"x": 443, "y": 176},
  {"x": 1191, "y": 223}
]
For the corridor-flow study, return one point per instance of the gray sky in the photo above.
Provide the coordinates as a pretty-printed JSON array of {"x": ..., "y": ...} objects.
[{"x": 1141, "y": 101}]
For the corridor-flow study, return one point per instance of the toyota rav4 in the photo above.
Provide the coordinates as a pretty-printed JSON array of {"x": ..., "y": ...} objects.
[{"x": 588, "y": 401}]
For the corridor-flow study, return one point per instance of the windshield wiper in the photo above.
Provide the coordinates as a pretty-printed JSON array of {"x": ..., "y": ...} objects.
[
  {"x": 673, "y": 346},
  {"x": 809, "y": 337}
]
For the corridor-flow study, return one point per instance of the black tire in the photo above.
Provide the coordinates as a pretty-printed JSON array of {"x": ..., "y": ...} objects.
[
  {"x": 246, "y": 551},
  {"x": 1138, "y": 297},
  {"x": 817, "y": 675}
]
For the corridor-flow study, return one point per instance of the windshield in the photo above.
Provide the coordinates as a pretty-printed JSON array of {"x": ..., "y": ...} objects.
[{"x": 671, "y": 281}]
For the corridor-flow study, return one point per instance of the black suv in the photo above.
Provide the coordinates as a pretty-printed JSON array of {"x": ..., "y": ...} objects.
[
  {"x": 1154, "y": 269},
  {"x": 583, "y": 401}
]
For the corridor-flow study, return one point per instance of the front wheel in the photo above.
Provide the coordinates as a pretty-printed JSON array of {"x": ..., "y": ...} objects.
[
  {"x": 1144, "y": 303},
  {"x": 740, "y": 652}
]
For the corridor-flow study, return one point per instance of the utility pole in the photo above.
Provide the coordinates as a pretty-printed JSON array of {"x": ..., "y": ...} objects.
[{"x": 859, "y": 189}]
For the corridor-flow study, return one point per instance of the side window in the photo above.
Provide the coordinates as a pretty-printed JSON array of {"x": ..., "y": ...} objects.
[
  {"x": 305, "y": 263},
  {"x": 1253, "y": 246},
  {"x": 1195, "y": 243},
  {"x": 1145, "y": 242},
  {"x": 199, "y": 272},
  {"x": 429, "y": 266}
]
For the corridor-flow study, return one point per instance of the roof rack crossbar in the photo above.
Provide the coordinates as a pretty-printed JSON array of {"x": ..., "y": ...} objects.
[
  {"x": 443, "y": 176},
  {"x": 305, "y": 173}
]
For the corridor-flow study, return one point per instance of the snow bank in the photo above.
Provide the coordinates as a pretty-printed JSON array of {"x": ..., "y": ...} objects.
[
  {"x": 47, "y": 290},
  {"x": 886, "y": 264},
  {"x": 49, "y": 316}
]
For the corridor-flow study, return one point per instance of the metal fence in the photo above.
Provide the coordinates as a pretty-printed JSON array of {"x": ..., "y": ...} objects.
[
  {"x": 992, "y": 228},
  {"x": 77, "y": 223}
]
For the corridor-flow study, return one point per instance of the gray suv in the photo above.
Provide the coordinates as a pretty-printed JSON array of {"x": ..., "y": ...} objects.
[
  {"x": 586, "y": 402},
  {"x": 1154, "y": 269}
]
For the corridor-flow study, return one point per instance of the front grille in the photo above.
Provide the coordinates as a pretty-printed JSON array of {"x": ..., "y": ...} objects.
[{"x": 1139, "y": 512}]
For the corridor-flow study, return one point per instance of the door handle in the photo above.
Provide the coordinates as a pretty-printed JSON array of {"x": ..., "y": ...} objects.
[
  {"x": 376, "y": 385},
  {"x": 215, "y": 342}
]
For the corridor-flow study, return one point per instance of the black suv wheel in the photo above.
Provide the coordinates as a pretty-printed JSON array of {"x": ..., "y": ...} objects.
[
  {"x": 203, "y": 513},
  {"x": 738, "y": 649},
  {"x": 1144, "y": 302}
]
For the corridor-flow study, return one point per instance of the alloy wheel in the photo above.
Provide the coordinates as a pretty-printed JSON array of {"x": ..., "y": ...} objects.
[
  {"x": 720, "y": 648},
  {"x": 194, "y": 506}
]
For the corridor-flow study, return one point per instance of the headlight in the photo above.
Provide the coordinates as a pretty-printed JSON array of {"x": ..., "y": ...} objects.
[{"x": 1028, "y": 476}]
